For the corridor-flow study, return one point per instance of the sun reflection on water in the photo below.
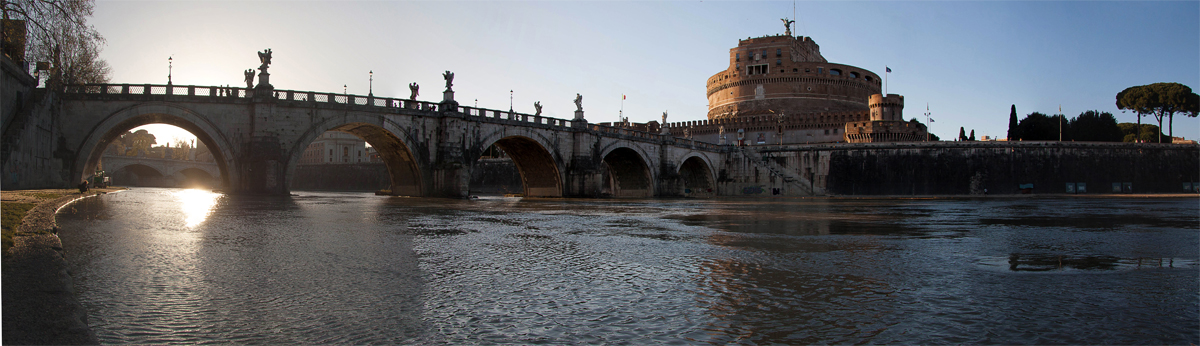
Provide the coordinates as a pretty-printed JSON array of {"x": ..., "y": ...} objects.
[{"x": 196, "y": 204}]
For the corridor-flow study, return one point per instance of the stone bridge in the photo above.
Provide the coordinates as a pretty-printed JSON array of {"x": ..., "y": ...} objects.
[
  {"x": 257, "y": 136},
  {"x": 176, "y": 171}
]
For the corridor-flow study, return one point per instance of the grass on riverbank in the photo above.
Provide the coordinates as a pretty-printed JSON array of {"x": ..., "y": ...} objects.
[{"x": 13, "y": 212}]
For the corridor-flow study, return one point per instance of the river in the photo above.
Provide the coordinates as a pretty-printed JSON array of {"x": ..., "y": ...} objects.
[{"x": 174, "y": 266}]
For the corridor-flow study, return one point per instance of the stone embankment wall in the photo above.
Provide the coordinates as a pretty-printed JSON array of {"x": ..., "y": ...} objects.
[
  {"x": 961, "y": 168},
  {"x": 31, "y": 150}
]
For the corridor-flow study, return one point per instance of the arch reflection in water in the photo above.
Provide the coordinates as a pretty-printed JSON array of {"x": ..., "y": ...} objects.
[{"x": 196, "y": 205}]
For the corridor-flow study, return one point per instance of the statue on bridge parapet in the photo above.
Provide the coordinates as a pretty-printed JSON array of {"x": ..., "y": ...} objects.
[
  {"x": 414, "y": 88},
  {"x": 578, "y": 107},
  {"x": 265, "y": 58},
  {"x": 448, "y": 95},
  {"x": 264, "y": 78},
  {"x": 537, "y": 106},
  {"x": 249, "y": 78},
  {"x": 664, "y": 123}
]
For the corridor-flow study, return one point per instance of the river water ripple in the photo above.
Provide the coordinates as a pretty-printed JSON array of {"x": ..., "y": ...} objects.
[{"x": 171, "y": 266}]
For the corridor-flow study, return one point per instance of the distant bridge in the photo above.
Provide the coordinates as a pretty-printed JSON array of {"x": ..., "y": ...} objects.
[
  {"x": 149, "y": 167},
  {"x": 258, "y": 135}
]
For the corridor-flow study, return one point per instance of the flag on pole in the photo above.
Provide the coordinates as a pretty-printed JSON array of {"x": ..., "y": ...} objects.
[
  {"x": 932, "y": 121},
  {"x": 889, "y": 69},
  {"x": 622, "y": 96}
]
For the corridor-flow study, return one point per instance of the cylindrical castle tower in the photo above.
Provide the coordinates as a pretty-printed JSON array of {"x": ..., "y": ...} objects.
[
  {"x": 787, "y": 75},
  {"x": 890, "y": 108}
]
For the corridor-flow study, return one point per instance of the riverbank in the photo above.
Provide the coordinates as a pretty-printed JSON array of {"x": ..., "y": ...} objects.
[{"x": 40, "y": 307}]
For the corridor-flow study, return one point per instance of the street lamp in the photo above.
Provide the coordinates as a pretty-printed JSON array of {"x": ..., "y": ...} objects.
[
  {"x": 371, "y": 85},
  {"x": 169, "y": 69},
  {"x": 510, "y": 101}
]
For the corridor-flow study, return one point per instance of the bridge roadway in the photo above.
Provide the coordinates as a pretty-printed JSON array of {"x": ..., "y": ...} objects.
[{"x": 257, "y": 136}]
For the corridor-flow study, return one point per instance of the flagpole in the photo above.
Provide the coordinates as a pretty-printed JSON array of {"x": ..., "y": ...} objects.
[{"x": 927, "y": 122}]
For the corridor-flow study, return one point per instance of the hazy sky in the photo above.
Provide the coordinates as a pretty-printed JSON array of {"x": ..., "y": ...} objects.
[{"x": 969, "y": 61}]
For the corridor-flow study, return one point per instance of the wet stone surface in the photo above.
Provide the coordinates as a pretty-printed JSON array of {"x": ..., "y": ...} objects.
[{"x": 181, "y": 266}]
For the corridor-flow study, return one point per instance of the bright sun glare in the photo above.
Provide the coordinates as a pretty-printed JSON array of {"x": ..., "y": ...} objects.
[
  {"x": 196, "y": 204},
  {"x": 164, "y": 134}
]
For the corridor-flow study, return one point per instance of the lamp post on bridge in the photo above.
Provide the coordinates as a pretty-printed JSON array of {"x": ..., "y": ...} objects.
[
  {"x": 371, "y": 86},
  {"x": 510, "y": 101},
  {"x": 169, "y": 69}
]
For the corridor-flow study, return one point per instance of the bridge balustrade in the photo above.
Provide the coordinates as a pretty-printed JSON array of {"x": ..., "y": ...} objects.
[{"x": 211, "y": 92}]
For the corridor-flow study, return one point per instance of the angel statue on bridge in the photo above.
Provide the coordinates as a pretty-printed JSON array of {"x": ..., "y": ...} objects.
[
  {"x": 537, "y": 106},
  {"x": 413, "y": 87},
  {"x": 449, "y": 76},
  {"x": 664, "y": 123},
  {"x": 249, "y": 78},
  {"x": 265, "y": 58},
  {"x": 578, "y": 103}
]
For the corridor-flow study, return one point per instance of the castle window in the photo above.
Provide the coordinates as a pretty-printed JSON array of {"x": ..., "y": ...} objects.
[
  {"x": 779, "y": 62},
  {"x": 820, "y": 70},
  {"x": 737, "y": 57},
  {"x": 806, "y": 70},
  {"x": 795, "y": 70},
  {"x": 778, "y": 52},
  {"x": 853, "y": 74},
  {"x": 868, "y": 78},
  {"x": 835, "y": 72},
  {"x": 764, "y": 54}
]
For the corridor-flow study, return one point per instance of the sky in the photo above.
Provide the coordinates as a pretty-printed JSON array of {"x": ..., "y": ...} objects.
[{"x": 967, "y": 61}]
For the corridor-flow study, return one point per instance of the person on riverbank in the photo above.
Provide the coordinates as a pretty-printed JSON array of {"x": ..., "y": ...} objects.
[{"x": 83, "y": 187}]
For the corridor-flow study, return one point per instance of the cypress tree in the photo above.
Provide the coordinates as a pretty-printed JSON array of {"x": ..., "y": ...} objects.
[
  {"x": 1014, "y": 132},
  {"x": 962, "y": 134},
  {"x": 972, "y": 138}
]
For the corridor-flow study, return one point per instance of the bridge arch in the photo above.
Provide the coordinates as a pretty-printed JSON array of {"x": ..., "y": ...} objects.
[
  {"x": 541, "y": 175},
  {"x": 627, "y": 173},
  {"x": 117, "y": 123},
  {"x": 389, "y": 139},
  {"x": 697, "y": 175},
  {"x": 138, "y": 174}
]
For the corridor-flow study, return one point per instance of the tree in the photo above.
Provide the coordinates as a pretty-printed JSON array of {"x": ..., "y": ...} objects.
[
  {"x": 58, "y": 32},
  {"x": 1134, "y": 99},
  {"x": 1094, "y": 126},
  {"x": 1039, "y": 127},
  {"x": 1014, "y": 133},
  {"x": 972, "y": 138},
  {"x": 1131, "y": 132},
  {"x": 962, "y": 134},
  {"x": 1162, "y": 100}
]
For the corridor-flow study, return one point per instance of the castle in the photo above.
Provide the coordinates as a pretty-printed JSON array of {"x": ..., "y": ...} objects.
[{"x": 780, "y": 90}]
